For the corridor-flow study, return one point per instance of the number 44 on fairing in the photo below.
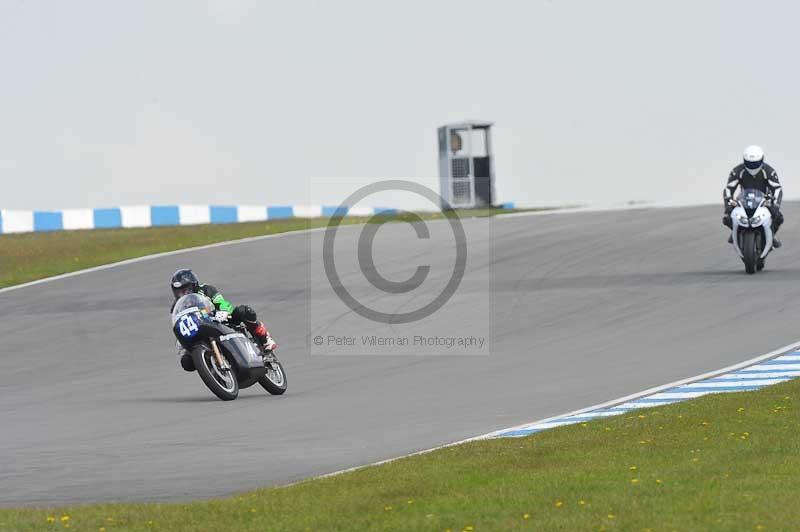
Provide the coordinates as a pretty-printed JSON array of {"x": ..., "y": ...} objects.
[{"x": 188, "y": 326}]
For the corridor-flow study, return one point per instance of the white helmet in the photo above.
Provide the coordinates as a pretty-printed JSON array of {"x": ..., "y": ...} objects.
[{"x": 753, "y": 159}]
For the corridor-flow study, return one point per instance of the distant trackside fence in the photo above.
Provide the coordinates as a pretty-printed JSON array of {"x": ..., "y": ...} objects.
[{"x": 22, "y": 221}]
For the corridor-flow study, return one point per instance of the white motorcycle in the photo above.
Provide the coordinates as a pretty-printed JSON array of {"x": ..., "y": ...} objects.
[{"x": 752, "y": 229}]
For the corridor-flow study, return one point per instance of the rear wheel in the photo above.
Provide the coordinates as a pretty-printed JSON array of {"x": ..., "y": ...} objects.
[
  {"x": 274, "y": 380},
  {"x": 750, "y": 250},
  {"x": 220, "y": 380}
]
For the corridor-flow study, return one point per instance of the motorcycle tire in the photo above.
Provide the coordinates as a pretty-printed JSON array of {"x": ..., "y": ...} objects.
[
  {"x": 274, "y": 381},
  {"x": 222, "y": 382},
  {"x": 750, "y": 251}
]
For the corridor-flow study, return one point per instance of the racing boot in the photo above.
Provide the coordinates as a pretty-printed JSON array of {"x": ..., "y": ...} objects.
[
  {"x": 261, "y": 336},
  {"x": 775, "y": 242},
  {"x": 727, "y": 222}
]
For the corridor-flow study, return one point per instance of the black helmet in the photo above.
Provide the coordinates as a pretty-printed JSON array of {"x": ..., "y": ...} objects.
[{"x": 184, "y": 282}]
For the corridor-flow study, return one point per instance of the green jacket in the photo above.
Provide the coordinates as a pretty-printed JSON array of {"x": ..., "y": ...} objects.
[{"x": 212, "y": 293}]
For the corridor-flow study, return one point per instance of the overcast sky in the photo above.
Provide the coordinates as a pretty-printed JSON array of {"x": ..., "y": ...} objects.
[{"x": 106, "y": 102}]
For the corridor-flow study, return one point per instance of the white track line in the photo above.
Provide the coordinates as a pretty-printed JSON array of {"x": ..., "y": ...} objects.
[
  {"x": 764, "y": 375},
  {"x": 657, "y": 391},
  {"x": 626, "y": 402},
  {"x": 166, "y": 254},
  {"x": 597, "y": 208},
  {"x": 566, "y": 210},
  {"x": 224, "y": 243}
]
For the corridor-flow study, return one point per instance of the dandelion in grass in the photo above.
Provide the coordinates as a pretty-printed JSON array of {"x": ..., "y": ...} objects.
[
  {"x": 740, "y": 409},
  {"x": 642, "y": 416},
  {"x": 658, "y": 481},
  {"x": 410, "y": 501},
  {"x": 526, "y": 516},
  {"x": 51, "y": 519},
  {"x": 582, "y": 502},
  {"x": 387, "y": 508},
  {"x": 65, "y": 519},
  {"x": 611, "y": 516},
  {"x": 559, "y": 504},
  {"x": 632, "y": 468},
  {"x": 634, "y": 481},
  {"x": 704, "y": 423}
]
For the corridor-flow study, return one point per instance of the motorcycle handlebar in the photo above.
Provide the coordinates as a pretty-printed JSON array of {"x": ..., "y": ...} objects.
[{"x": 734, "y": 202}]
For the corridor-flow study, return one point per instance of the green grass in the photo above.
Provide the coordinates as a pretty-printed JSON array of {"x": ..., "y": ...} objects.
[
  {"x": 721, "y": 462},
  {"x": 31, "y": 256}
]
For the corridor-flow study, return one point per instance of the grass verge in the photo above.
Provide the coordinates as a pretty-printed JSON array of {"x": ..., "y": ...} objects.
[
  {"x": 31, "y": 256},
  {"x": 720, "y": 462}
]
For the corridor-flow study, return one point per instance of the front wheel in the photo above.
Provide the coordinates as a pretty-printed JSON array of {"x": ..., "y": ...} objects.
[
  {"x": 222, "y": 381},
  {"x": 751, "y": 251},
  {"x": 274, "y": 380}
]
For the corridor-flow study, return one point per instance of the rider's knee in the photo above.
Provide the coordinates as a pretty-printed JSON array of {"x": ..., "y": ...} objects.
[
  {"x": 726, "y": 221},
  {"x": 244, "y": 314}
]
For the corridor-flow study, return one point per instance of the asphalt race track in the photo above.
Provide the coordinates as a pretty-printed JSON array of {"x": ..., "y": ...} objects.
[{"x": 585, "y": 308}]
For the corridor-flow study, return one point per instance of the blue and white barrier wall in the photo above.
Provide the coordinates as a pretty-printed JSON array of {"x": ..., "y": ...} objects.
[{"x": 16, "y": 221}]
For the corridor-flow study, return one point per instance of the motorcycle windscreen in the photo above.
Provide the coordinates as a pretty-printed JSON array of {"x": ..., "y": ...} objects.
[
  {"x": 190, "y": 304},
  {"x": 751, "y": 199},
  {"x": 188, "y": 316},
  {"x": 243, "y": 350}
]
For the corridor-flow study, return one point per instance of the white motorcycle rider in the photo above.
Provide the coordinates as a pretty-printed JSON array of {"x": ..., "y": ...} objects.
[{"x": 752, "y": 228}]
